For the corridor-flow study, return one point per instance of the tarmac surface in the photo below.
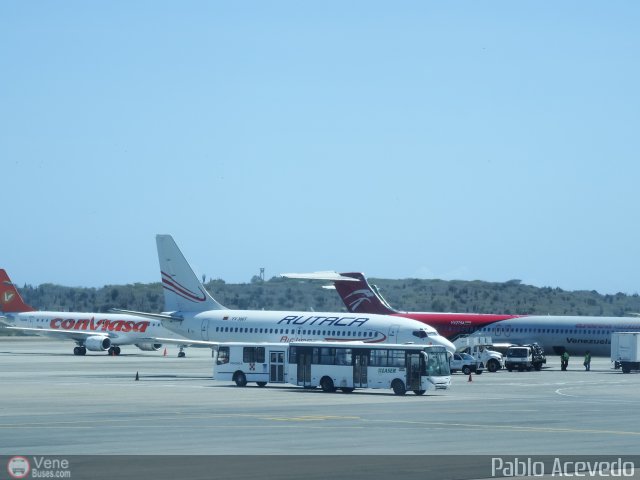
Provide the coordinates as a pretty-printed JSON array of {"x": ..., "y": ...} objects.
[{"x": 55, "y": 403}]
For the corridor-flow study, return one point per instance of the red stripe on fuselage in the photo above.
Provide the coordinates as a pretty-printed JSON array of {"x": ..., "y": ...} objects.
[{"x": 450, "y": 325}]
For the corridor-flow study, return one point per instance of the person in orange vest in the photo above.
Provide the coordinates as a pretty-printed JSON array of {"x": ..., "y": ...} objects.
[
  {"x": 587, "y": 361},
  {"x": 564, "y": 361}
]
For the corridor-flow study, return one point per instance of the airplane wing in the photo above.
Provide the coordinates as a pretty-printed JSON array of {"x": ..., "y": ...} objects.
[
  {"x": 153, "y": 316},
  {"x": 181, "y": 341},
  {"x": 327, "y": 275},
  {"x": 55, "y": 332}
]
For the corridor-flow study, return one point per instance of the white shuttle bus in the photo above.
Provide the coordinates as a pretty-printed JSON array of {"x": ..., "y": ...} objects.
[
  {"x": 336, "y": 365},
  {"x": 243, "y": 362}
]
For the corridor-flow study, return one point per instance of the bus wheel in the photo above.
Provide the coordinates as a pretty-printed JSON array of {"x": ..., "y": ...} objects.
[
  {"x": 327, "y": 385},
  {"x": 347, "y": 389},
  {"x": 419, "y": 392},
  {"x": 240, "y": 379},
  {"x": 398, "y": 387},
  {"x": 261, "y": 384}
]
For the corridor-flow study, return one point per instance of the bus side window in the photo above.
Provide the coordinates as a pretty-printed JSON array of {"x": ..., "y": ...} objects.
[
  {"x": 396, "y": 358},
  {"x": 223, "y": 356},
  {"x": 343, "y": 356}
]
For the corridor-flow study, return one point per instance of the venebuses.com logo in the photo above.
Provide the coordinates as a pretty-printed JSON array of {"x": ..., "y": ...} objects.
[{"x": 38, "y": 467}]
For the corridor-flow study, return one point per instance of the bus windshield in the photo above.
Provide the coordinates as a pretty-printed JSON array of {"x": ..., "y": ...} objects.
[{"x": 437, "y": 363}]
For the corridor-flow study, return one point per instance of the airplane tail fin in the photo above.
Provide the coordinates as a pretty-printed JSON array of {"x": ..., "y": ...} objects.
[
  {"x": 183, "y": 291},
  {"x": 354, "y": 290},
  {"x": 361, "y": 297},
  {"x": 10, "y": 299}
]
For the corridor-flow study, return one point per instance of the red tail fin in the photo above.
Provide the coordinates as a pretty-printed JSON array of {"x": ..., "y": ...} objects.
[
  {"x": 10, "y": 299},
  {"x": 360, "y": 297}
]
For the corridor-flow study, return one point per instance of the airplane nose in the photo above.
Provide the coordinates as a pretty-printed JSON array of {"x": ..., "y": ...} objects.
[{"x": 440, "y": 340}]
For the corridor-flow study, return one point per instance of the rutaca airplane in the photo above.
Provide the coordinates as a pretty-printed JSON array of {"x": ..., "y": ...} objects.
[
  {"x": 555, "y": 333},
  {"x": 193, "y": 313},
  {"x": 96, "y": 332}
]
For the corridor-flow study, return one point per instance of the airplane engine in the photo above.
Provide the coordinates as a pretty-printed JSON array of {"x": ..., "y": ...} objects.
[
  {"x": 97, "y": 343},
  {"x": 149, "y": 347}
]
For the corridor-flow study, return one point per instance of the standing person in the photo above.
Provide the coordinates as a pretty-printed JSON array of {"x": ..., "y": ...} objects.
[
  {"x": 564, "y": 361},
  {"x": 587, "y": 361}
]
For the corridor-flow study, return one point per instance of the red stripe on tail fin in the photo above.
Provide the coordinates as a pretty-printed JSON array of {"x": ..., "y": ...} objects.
[{"x": 10, "y": 299}]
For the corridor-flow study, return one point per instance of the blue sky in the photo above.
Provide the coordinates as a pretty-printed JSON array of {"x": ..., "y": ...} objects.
[{"x": 457, "y": 140}]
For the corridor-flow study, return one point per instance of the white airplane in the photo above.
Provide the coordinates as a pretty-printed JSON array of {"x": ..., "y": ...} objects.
[
  {"x": 96, "y": 332},
  {"x": 193, "y": 313},
  {"x": 555, "y": 333}
]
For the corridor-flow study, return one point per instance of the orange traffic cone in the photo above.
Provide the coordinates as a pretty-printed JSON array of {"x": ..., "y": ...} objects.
[
  {"x": 470, "y": 378},
  {"x": 165, "y": 352}
]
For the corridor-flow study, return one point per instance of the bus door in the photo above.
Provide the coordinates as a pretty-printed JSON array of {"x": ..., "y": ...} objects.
[
  {"x": 304, "y": 366},
  {"x": 413, "y": 370},
  {"x": 360, "y": 366},
  {"x": 393, "y": 334},
  {"x": 276, "y": 367},
  {"x": 205, "y": 329}
]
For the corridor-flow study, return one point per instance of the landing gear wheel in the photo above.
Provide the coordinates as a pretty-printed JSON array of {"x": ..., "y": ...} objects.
[
  {"x": 76, "y": 350},
  {"x": 83, "y": 351},
  {"x": 240, "y": 379},
  {"x": 419, "y": 392},
  {"x": 398, "y": 387},
  {"x": 181, "y": 354},
  {"x": 261, "y": 384},
  {"x": 116, "y": 350},
  {"x": 327, "y": 385}
]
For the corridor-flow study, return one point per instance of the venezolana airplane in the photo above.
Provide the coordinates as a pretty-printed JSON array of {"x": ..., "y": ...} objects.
[
  {"x": 193, "y": 313},
  {"x": 97, "y": 332},
  {"x": 555, "y": 333}
]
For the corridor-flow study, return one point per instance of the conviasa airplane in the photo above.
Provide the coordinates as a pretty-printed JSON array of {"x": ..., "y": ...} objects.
[
  {"x": 192, "y": 312},
  {"x": 555, "y": 333},
  {"x": 97, "y": 332}
]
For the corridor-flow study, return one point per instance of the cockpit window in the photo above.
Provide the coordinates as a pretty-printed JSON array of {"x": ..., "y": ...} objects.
[{"x": 420, "y": 334}]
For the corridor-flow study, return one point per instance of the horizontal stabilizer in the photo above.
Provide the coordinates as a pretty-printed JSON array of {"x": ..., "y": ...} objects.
[{"x": 328, "y": 276}]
